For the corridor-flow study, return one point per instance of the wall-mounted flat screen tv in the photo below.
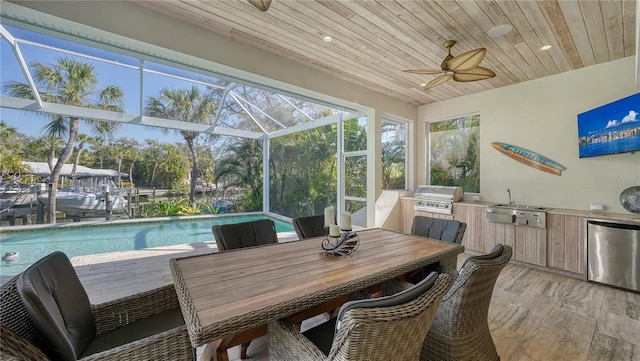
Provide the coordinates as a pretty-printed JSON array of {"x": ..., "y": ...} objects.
[{"x": 610, "y": 129}]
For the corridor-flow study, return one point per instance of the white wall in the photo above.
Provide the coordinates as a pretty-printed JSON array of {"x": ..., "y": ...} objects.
[{"x": 541, "y": 116}]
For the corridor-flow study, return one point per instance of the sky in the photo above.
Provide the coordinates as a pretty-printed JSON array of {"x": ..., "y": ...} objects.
[{"x": 119, "y": 70}]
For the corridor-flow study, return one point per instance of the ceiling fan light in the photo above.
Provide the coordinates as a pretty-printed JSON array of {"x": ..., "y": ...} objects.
[{"x": 262, "y": 5}]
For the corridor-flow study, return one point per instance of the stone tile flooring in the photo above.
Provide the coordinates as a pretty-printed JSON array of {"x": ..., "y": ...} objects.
[{"x": 534, "y": 315}]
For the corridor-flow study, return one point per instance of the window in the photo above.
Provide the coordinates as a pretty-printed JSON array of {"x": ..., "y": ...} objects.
[
  {"x": 454, "y": 153},
  {"x": 355, "y": 169},
  {"x": 394, "y": 154}
]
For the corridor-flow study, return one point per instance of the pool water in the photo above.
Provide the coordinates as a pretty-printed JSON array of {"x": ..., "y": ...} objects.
[{"x": 85, "y": 240}]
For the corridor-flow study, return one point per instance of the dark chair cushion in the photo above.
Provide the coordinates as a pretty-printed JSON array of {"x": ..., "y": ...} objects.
[
  {"x": 245, "y": 234},
  {"x": 322, "y": 335},
  {"x": 493, "y": 254},
  {"x": 59, "y": 306},
  {"x": 447, "y": 230},
  {"x": 309, "y": 227},
  {"x": 393, "y": 300},
  {"x": 149, "y": 326}
]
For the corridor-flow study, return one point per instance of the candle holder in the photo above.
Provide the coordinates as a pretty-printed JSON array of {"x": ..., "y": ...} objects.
[{"x": 342, "y": 245}]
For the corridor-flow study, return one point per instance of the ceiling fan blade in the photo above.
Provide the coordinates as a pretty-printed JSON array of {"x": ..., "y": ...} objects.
[
  {"x": 437, "y": 81},
  {"x": 424, "y": 71},
  {"x": 466, "y": 61},
  {"x": 477, "y": 73},
  {"x": 262, "y": 5}
]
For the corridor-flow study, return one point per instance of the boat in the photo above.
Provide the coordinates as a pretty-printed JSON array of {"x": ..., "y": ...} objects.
[
  {"x": 88, "y": 201},
  {"x": 16, "y": 194}
]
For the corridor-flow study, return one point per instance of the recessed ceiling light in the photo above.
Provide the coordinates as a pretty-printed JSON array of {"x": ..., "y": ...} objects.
[
  {"x": 499, "y": 30},
  {"x": 423, "y": 85},
  {"x": 546, "y": 47},
  {"x": 326, "y": 38}
]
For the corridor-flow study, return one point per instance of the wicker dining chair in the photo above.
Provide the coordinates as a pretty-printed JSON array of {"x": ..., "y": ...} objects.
[
  {"x": 242, "y": 235},
  {"x": 144, "y": 326},
  {"x": 460, "y": 329},
  {"x": 447, "y": 230},
  {"x": 379, "y": 329},
  {"x": 309, "y": 226}
]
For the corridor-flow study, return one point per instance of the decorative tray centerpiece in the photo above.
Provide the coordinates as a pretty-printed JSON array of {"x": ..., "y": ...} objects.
[{"x": 340, "y": 240}]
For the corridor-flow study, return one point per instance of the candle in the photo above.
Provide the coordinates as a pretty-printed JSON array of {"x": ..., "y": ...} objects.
[
  {"x": 334, "y": 230},
  {"x": 346, "y": 221},
  {"x": 329, "y": 216}
]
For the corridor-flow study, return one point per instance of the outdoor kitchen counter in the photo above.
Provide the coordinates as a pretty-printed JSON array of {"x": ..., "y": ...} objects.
[
  {"x": 559, "y": 247},
  {"x": 563, "y": 211}
]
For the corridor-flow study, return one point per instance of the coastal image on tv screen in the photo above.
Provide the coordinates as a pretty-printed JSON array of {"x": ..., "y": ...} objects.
[{"x": 610, "y": 129}]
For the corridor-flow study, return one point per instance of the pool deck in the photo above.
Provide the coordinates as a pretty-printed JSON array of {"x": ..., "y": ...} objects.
[{"x": 109, "y": 276}]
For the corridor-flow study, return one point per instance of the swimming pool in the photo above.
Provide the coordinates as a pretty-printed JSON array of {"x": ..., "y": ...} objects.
[{"x": 83, "y": 240}]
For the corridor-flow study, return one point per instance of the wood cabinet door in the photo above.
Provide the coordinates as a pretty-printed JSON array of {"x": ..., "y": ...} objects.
[
  {"x": 406, "y": 214},
  {"x": 473, "y": 216},
  {"x": 531, "y": 245},
  {"x": 565, "y": 243}
]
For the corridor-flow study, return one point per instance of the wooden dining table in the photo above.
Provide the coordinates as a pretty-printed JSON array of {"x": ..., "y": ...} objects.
[{"x": 226, "y": 293}]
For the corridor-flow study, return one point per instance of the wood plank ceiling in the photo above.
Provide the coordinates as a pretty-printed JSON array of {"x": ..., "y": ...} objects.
[{"x": 373, "y": 41}]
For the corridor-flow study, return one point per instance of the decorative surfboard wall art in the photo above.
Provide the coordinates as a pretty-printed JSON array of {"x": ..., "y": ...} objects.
[{"x": 529, "y": 158}]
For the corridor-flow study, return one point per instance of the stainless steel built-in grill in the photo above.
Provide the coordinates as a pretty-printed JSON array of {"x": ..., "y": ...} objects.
[{"x": 438, "y": 199}]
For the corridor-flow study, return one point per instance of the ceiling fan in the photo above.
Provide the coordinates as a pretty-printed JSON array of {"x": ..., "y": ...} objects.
[
  {"x": 262, "y": 5},
  {"x": 462, "y": 68}
]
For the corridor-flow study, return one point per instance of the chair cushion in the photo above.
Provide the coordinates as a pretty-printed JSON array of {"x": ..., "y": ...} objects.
[
  {"x": 442, "y": 229},
  {"x": 245, "y": 234},
  {"x": 58, "y": 305},
  {"x": 308, "y": 227},
  {"x": 152, "y": 325},
  {"x": 494, "y": 253},
  {"x": 322, "y": 335},
  {"x": 393, "y": 300}
]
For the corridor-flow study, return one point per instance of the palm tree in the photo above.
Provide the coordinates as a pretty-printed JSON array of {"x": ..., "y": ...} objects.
[
  {"x": 51, "y": 145},
  {"x": 156, "y": 153},
  {"x": 69, "y": 82},
  {"x": 81, "y": 139},
  {"x": 186, "y": 105}
]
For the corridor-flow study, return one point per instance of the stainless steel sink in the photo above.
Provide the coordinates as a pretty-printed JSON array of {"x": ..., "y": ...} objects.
[
  {"x": 520, "y": 206},
  {"x": 517, "y": 214}
]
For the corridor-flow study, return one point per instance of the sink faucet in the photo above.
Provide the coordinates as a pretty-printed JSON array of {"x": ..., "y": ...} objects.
[{"x": 510, "y": 201}]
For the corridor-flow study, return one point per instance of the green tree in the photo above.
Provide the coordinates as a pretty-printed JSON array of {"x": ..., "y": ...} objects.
[
  {"x": 241, "y": 168},
  {"x": 303, "y": 172},
  {"x": 174, "y": 168},
  {"x": 81, "y": 139},
  {"x": 154, "y": 152},
  {"x": 120, "y": 150},
  {"x": 133, "y": 155},
  {"x": 186, "y": 105},
  {"x": 69, "y": 82},
  {"x": 11, "y": 141},
  {"x": 51, "y": 144},
  {"x": 99, "y": 149}
]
